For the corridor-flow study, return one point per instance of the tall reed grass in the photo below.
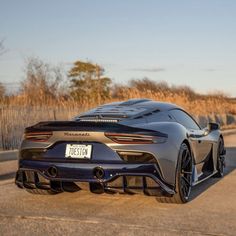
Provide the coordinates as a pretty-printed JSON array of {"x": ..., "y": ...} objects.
[
  {"x": 14, "y": 119},
  {"x": 17, "y": 113}
]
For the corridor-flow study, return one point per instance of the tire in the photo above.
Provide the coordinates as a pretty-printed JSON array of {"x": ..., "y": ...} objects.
[
  {"x": 184, "y": 175},
  {"x": 40, "y": 191},
  {"x": 220, "y": 165}
]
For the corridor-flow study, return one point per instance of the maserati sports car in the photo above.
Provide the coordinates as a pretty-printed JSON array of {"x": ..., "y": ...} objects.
[{"x": 136, "y": 146}]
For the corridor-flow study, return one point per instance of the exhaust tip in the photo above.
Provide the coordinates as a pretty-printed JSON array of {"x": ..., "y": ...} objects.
[
  {"x": 98, "y": 172},
  {"x": 52, "y": 171}
]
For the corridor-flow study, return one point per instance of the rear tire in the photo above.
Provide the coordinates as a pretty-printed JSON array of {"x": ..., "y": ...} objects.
[
  {"x": 220, "y": 165},
  {"x": 40, "y": 191},
  {"x": 184, "y": 174}
]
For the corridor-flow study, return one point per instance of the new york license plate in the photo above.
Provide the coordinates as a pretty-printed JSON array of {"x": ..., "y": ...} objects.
[{"x": 78, "y": 151}]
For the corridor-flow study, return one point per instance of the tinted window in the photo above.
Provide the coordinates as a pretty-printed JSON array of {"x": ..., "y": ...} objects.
[
  {"x": 184, "y": 119},
  {"x": 159, "y": 117}
]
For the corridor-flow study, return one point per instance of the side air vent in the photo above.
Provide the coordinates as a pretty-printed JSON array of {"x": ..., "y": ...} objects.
[{"x": 146, "y": 114}]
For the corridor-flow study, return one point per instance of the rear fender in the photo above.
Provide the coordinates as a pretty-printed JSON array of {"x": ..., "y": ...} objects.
[{"x": 167, "y": 153}]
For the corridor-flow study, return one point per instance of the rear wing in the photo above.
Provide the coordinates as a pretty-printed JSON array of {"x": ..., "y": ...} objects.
[{"x": 90, "y": 126}]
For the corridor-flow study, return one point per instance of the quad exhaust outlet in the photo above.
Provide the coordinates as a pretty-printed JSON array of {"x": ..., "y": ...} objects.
[{"x": 52, "y": 171}]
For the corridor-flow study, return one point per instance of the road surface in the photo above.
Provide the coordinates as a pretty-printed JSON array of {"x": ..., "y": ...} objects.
[{"x": 212, "y": 210}]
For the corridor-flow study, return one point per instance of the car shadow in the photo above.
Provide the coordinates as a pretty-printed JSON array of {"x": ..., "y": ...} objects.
[
  {"x": 7, "y": 176},
  {"x": 230, "y": 166}
]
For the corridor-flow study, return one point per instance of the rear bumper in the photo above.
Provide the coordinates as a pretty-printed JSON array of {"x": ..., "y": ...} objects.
[{"x": 87, "y": 172}]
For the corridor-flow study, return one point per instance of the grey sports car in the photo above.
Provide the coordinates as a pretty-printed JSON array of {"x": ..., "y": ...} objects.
[{"x": 134, "y": 146}]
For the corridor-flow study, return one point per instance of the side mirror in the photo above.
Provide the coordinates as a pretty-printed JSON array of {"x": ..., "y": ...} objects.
[{"x": 213, "y": 126}]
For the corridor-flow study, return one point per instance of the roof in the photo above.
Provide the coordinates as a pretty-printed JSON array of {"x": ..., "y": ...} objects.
[{"x": 132, "y": 108}]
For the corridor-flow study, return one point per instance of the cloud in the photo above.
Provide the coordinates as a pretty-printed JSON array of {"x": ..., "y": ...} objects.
[{"x": 151, "y": 69}]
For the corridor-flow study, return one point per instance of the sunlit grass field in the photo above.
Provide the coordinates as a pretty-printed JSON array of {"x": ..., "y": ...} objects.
[{"x": 18, "y": 112}]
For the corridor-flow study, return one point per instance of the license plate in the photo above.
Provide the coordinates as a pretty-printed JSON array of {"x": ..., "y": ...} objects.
[{"x": 78, "y": 151}]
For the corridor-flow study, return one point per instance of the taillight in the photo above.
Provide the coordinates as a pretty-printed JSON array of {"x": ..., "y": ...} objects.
[
  {"x": 37, "y": 136},
  {"x": 124, "y": 138}
]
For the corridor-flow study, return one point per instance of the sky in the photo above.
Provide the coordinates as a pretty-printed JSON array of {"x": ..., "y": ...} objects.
[{"x": 184, "y": 42}]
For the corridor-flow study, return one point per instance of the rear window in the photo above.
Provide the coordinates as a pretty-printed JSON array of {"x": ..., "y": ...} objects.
[{"x": 184, "y": 119}]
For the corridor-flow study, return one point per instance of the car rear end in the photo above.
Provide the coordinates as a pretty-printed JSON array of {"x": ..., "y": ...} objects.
[{"x": 110, "y": 157}]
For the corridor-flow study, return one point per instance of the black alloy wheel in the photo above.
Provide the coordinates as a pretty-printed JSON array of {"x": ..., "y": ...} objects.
[
  {"x": 220, "y": 165},
  {"x": 184, "y": 175}
]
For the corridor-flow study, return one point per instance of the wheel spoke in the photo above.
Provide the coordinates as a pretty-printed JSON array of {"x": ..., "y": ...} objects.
[
  {"x": 186, "y": 159},
  {"x": 185, "y": 188},
  {"x": 186, "y": 172},
  {"x": 185, "y": 155},
  {"x": 186, "y": 180}
]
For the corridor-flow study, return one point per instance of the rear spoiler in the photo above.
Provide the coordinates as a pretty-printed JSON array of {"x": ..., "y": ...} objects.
[{"x": 90, "y": 126}]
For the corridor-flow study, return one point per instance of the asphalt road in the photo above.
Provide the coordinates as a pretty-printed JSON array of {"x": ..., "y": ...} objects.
[{"x": 212, "y": 210}]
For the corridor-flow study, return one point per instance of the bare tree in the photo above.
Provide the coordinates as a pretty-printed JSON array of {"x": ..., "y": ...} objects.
[{"x": 42, "y": 81}]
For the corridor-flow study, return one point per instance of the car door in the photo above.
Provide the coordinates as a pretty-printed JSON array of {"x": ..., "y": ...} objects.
[{"x": 201, "y": 146}]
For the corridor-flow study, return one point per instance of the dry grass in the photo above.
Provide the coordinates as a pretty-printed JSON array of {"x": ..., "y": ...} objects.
[
  {"x": 17, "y": 112},
  {"x": 14, "y": 119},
  {"x": 194, "y": 103},
  {"x": 44, "y": 96}
]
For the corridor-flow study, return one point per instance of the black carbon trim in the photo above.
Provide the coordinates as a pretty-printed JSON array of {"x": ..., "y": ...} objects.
[{"x": 90, "y": 126}]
